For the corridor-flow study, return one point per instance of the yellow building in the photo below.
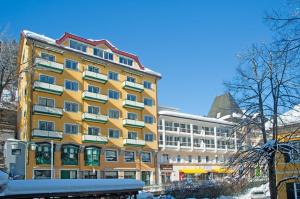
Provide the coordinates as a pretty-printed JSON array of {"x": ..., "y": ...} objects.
[{"x": 95, "y": 103}]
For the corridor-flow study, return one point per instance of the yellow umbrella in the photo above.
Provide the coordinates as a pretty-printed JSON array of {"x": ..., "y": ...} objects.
[
  {"x": 222, "y": 170},
  {"x": 193, "y": 171}
]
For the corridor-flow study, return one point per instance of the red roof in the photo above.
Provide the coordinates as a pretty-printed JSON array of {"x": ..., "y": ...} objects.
[{"x": 95, "y": 43}]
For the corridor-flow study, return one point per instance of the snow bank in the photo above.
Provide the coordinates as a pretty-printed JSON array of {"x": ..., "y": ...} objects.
[{"x": 247, "y": 195}]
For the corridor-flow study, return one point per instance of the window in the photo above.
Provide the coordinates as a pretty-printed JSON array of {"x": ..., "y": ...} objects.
[
  {"x": 113, "y": 114},
  {"x": 48, "y": 57},
  {"x": 126, "y": 61},
  {"x": 129, "y": 175},
  {"x": 113, "y": 133},
  {"x": 78, "y": 46},
  {"x": 42, "y": 174},
  {"x": 68, "y": 174},
  {"x": 16, "y": 151},
  {"x": 110, "y": 174},
  {"x": 131, "y": 116},
  {"x": 131, "y": 97},
  {"x": 93, "y": 69},
  {"x": 93, "y": 130},
  {"x": 129, "y": 156},
  {"x": 71, "y": 128},
  {"x": 92, "y": 156},
  {"x": 70, "y": 64},
  {"x": 132, "y": 135},
  {"x": 190, "y": 159},
  {"x": 111, "y": 155},
  {"x": 43, "y": 153},
  {"x": 47, "y": 79},
  {"x": 207, "y": 159},
  {"x": 147, "y": 85},
  {"x": 69, "y": 154},
  {"x": 148, "y": 102},
  {"x": 146, "y": 175},
  {"x": 149, "y": 137},
  {"x": 199, "y": 158},
  {"x": 146, "y": 157},
  {"x": 113, "y": 94},
  {"x": 294, "y": 152},
  {"x": 46, "y": 125},
  {"x": 93, "y": 89},
  {"x": 71, "y": 107},
  {"x": 71, "y": 85},
  {"x": 46, "y": 102},
  {"x": 217, "y": 159},
  {"x": 148, "y": 119},
  {"x": 209, "y": 143},
  {"x": 113, "y": 75},
  {"x": 103, "y": 54},
  {"x": 178, "y": 159},
  {"x": 94, "y": 110},
  {"x": 131, "y": 79},
  {"x": 165, "y": 158}
]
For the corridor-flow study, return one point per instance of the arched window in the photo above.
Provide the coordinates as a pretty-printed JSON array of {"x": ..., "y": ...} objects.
[
  {"x": 92, "y": 156},
  {"x": 69, "y": 154},
  {"x": 43, "y": 153}
]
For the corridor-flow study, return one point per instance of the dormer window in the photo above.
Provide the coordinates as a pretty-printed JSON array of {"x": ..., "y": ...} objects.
[
  {"x": 78, "y": 46},
  {"x": 103, "y": 54},
  {"x": 126, "y": 61}
]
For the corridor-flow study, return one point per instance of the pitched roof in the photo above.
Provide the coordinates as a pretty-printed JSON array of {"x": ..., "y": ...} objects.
[{"x": 223, "y": 105}]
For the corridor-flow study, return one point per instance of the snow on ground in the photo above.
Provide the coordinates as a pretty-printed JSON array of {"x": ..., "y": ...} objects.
[{"x": 247, "y": 195}]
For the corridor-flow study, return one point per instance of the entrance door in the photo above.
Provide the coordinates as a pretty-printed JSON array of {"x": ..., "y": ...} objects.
[
  {"x": 68, "y": 174},
  {"x": 146, "y": 177}
]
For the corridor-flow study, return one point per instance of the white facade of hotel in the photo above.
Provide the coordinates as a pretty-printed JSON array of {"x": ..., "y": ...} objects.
[{"x": 188, "y": 142}]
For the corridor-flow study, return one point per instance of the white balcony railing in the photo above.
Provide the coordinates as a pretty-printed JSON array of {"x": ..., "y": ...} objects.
[
  {"x": 50, "y": 65},
  {"x": 134, "y": 142},
  {"x": 94, "y": 138},
  {"x": 133, "y": 104},
  {"x": 48, "y": 88},
  {"x": 94, "y": 97},
  {"x": 47, "y": 134},
  {"x": 94, "y": 117},
  {"x": 45, "y": 110},
  {"x": 133, "y": 123},
  {"x": 94, "y": 76},
  {"x": 133, "y": 86}
]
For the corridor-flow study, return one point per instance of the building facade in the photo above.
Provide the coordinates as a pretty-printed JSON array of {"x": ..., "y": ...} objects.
[
  {"x": 87, "y": 109},
  {"x": 193, "y": 147}
]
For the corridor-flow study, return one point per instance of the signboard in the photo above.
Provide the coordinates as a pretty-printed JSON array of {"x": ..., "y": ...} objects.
[{"x": 166, "y": 167}]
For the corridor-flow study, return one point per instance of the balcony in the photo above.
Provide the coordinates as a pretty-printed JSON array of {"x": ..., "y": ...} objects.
[
  {"x": 45, "y": 110},
  {"x": 94, "y": 117},
  {"x": 50, "y": 65},
  {"x": 95, "y": 138},
  {"x": 94, "y": 76},
  {"x": 133, "y": 104},
  {"x": 133, "y": 86},
  {"x": 133, "y": 123},
  {"x": 134, "y": 142},
  {"x": 48, "y": 88},
  {"x": 94, "y": 97},
  {"x": 37, "y": 133}
]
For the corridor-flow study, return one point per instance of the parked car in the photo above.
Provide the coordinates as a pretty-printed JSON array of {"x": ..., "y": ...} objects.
[{"x": 259, "y": 194}]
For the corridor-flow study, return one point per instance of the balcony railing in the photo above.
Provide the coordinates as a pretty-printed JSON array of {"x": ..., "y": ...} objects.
[
  {"x": 50, "y": 65},
  {"x": 48, "y": 88},
  {"x": 95, "y": 138},
  {"x": 45, "y": 110},
  {"x": 133, "y": 86},
  {"x": 94, "y": 117},
  {"x": 94, "y": 76},
  {"x": 47, "y": 134},
  {"x": 134, "y": 123},
  {"x": 133, "y": 104},
  {"x": 94, "y": 97},
  {"x": 134, "y": 142}
]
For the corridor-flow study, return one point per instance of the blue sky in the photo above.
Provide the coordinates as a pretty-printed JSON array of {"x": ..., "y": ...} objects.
[{"x": 192, "y": 43}]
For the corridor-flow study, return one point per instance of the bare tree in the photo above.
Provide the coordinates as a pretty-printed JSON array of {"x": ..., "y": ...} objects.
[
  {"x": 266, "y": 85},
  {"x": 8, "y": 65}
]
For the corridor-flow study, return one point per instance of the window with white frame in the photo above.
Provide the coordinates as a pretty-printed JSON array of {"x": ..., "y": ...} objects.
[
  {"x": 71, "y": 64},
  {"x": 131, "y": 79},
  {"x": 78, "y": 46},
  {"x": 94, "y": 110},
  {"x": 113, "y": 75},
  {"x": 148, "y": 101},
  {"x": 178, "y": 158},
  {"x": 47, "y": 79},
  {"x": 149, "y": 137},
  {"x": 132, "y": 135},
  {"x": 93, "y": 89},
  {"x": 43, "y": 101},
  {"x": 113, "y": 113},
  {"x": 148, "y": 119},
  {"x": 125, "y": 60},
  {"x": 92, "y": 130},
  {"x": 111, "y": 155},
  {"x": 103, "y": 54},
  {"x": 71, "y": 107},
  {"x": 146, "y": 157},
  {"x": 46, "y": 125},
  {"x": 93, "y": 69},
  {"x": 71, "y": 85},
  {"x": 48, "y": 57},
  {"x": 113, "y": 133},
  {"x": 129, "y": 156},
  {"x": 147, "y": 84},
  {"x": 113, "y": 94},
  {"x": 131, "y": 97},
  {"x": 71, "y": 128},
  {"x": 131, "y": 116}
]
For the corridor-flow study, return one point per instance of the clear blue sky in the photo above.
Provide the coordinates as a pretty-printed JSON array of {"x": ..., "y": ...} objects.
[{"x": 192, "y": 43}]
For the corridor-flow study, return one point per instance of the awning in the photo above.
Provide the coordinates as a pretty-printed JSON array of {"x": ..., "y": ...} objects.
[
  {"x": 222, "y": 170},
  {"x": 193, "y": 171}
]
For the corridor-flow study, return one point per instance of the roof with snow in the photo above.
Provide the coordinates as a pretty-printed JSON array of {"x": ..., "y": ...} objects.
[
  {"x": 174, "y": 113},
  {"x": 59, "y": 42}
]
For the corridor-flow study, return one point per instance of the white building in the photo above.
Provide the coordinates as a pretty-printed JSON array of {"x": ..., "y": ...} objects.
[{"x": 192, "y": 146}]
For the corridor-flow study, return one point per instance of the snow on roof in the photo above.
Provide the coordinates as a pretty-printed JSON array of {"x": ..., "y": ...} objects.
[
  {"x": 45, "y": 186},
  {"x": 51, "y": 41},
  {"x": 194, "y": 117}
]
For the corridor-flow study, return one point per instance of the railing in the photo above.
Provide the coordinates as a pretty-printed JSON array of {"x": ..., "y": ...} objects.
[
  {"x": 133, "y": 86},
  {"x": 94, "y": 76},
  {"x": 134, "y": 142},
  {"x": 47, "y": 110},
  {"x": 46, "y": 87},
  {"x": 94, "y": 138},
  {"x": 185, "y": 144},
  {"x": 133, "y": 104},
  {"x": 94, "y": 96},
  {"x": 45, "y": 133},
  {"x": 54, "y": 66}
]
